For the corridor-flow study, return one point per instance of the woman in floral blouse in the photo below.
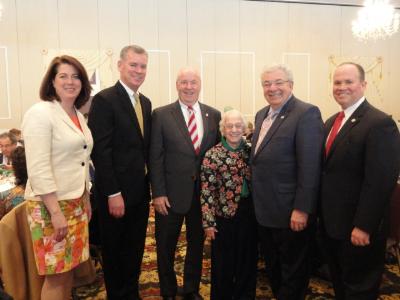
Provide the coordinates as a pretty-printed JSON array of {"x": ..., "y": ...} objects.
[{"x": 228, "y": 213}]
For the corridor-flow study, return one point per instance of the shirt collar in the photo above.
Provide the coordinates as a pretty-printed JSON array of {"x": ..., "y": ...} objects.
[
  {"x": 128, "y": 89},
  {"x": 196, "y": 106},
  {"x": 228, "y": 147},
  {"x": 349, "y": 111},
  {"x": 278, "y": 110}
]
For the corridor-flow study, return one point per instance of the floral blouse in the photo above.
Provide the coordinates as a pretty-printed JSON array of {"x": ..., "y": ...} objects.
[{"x": 225, "y": 175}]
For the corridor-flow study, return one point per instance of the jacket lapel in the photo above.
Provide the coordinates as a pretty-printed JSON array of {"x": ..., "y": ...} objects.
[
  {"x": 351, "y": 122},
  {"x": 181, "y": 124},
  {"x": 127, "y": 104},
  {"x": 279, "y": 119},
  {"x": 66, "y": 119},
  {"x": 205, "y": 117}
]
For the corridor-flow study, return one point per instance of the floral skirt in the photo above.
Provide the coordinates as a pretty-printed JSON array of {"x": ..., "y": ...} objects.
[{"x": 54, "y": 257}]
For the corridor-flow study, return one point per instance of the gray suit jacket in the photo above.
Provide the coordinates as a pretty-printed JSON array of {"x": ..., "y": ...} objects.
[
  {"x": 286, "y": 167},
  {"x": 174, "y": 165}
]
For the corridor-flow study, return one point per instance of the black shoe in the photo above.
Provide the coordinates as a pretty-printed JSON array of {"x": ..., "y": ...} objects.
[
  {"x": 193, "y": 296},
  {"x": 168, "y": 298}
]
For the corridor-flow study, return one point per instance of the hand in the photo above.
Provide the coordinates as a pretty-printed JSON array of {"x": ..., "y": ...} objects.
[
  {"x": 359, "y": 237},
  {"x": 161, "y": 205},
  {"x": 298, "y": 220},
  {"x": 60, "y": 225},
  {"x": 116, "y": 206},
  {"x": 210, "y": 232}
]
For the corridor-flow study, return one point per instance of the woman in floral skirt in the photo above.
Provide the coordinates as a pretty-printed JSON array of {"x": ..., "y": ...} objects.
[{"x": 58, "y": 145}]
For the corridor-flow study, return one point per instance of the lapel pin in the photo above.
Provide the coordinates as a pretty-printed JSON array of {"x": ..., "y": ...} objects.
[
  {"x": 353, "y": 120},
  {"x": 282, "y": 117},
  {"x": 206, "y": 114}
]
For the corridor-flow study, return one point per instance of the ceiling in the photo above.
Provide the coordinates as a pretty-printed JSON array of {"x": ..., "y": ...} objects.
[{"x": 395, "y": 3}]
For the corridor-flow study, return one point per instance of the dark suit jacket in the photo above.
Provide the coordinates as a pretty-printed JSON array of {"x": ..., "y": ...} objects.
[
  {"x": 360, "y": 173},
  {"x": 120, "y": 151},
  {"x": 286, "y": 167},
  {"x": 174, "y": 164}
]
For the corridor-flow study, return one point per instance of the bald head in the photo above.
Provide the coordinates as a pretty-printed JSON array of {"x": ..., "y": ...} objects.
[{"x": 188, "y": 85}]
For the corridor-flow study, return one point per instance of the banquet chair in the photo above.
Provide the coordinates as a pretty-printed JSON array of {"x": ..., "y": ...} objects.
[{"x": 17, "y": 263}]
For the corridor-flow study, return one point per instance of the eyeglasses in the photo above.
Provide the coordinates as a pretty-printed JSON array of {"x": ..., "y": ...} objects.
[
  {"x": 278, "y": 83},
  {"x": 237, "y": 126}
]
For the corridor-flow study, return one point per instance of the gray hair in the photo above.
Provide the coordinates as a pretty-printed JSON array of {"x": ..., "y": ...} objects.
[
  {"x": 134, "y": 48},
  {"x": 188, "y": 69},
  {"x": 229, "y": 114},
  {"x": 11, "y": 136},
  {"x": 278, "y": 67}
]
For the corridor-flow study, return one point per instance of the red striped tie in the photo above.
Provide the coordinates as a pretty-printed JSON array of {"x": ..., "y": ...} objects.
[{"x": 192, "y": 127}]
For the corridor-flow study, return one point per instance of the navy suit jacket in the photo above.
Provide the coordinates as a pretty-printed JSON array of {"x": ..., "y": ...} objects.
[
  {"x": 360, "y": 173},
  {"x": 120, "y": 150},
  {"x": 286, "y": 167}
]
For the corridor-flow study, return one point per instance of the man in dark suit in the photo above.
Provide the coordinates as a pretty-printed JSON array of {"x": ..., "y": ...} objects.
[
  {"x": 360, "y": 169},
  {"x": 8, "y": 143},
  {"x": 285, "y": 162},
  {"x": 182, "y": 132},
  {"x": 120, "y": 120}
]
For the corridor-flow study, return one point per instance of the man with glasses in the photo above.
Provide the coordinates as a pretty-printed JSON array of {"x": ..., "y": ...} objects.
[
  {"x": 8, "y": 142},
  {"x": 285, "y": 163}
]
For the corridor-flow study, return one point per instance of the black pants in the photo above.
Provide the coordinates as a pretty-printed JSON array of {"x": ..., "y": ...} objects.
[
  {"x": 234, "y": 256},
  {"x": 356, "y": 271},
  {"x": 287, "y": 259},
  {"x": 123, "y": 243},
  {"x": 168, "y": 229}
]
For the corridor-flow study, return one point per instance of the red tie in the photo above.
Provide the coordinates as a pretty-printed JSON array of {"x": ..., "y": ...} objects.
[
  {"x": 334, "y": 131},
  {"x": 192, "y": 127}
]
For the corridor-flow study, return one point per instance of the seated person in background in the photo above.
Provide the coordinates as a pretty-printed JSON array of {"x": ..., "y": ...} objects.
[
  {"x": 18, "y": 135},
  {"x": 16, "y": 195},
  {"x": 248, "y": 132},
  {"x": 228, "y": 212},
  {"x": 8, "y": 142}
]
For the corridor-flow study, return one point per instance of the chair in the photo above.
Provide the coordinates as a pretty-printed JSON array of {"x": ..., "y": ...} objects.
[{"x": 17, "y": 263}]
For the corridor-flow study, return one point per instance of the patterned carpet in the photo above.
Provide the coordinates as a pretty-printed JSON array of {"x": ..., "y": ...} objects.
[{"x": 318, "y": 289}]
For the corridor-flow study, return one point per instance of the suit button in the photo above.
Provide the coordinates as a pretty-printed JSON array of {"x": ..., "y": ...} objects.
[
  {"x": 193, "y": 177},
  {"x": 82, "y": 164},
  {"x": 84, "y": 147}
]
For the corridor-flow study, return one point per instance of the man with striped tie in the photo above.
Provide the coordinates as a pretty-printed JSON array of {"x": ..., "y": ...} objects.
[{"x": 181, "y": 134}]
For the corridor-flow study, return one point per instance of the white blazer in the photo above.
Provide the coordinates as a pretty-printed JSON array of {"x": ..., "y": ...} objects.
[{"x": 57, "y": 152}]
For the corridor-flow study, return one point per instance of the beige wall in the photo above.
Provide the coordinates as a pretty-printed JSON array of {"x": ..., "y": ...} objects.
[{"x": 228, "y": 40}]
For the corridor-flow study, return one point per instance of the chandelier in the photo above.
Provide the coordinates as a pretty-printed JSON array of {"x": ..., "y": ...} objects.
[{"x": 376, "y": 20}]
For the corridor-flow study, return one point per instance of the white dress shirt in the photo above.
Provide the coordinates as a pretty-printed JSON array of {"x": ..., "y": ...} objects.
[{"x": 197, "y": 115}]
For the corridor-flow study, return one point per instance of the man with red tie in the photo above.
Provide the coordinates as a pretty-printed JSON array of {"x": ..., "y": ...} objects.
[
  {"x": 360, "y": 169},
  {"x": 182, "y": 132}
]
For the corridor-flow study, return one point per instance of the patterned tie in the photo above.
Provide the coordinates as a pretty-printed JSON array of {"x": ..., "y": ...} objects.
[
  {"x": 266, "y": 125},
  {"x": 138, "y": 111},
  {"x": 192, "y": 127},
  {"x": 334, "y": 132}
]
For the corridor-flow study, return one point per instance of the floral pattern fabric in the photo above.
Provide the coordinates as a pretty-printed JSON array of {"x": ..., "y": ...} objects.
[
  {"x": 223, "y": 172},
  {"x": 15, "y": 197},
  {"x": 54, "y": 257}
]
